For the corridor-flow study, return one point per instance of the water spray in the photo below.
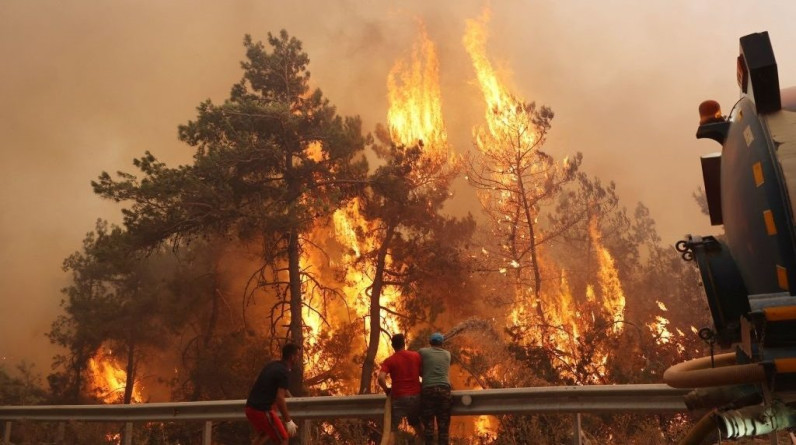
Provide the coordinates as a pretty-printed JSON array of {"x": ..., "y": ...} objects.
[{"x": 473, "y": 324}]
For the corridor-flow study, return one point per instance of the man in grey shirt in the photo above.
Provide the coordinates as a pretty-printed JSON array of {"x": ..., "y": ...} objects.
[{"x": 435, "y": 399}]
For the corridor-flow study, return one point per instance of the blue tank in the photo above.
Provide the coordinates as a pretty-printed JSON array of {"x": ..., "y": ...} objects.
[
  {"x": 748, "y": 186},
  {"x": 749, "y": 272}
]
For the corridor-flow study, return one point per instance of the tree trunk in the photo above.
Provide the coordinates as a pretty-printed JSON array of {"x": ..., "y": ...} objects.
[
  {"x": 201, "y": 349},
  {"x": 296, "y": 327},
  {"x": 537, "y": 276},
  {"x": 296, "y": 324},
  {"x": 78, "y": 366},
  {"x": 129, "y": 383},
  {"x": 130, "y": 372},
  {"x": 375, "y": 313}
]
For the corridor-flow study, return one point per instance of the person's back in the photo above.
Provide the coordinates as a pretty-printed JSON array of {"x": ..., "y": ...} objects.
[
  {"x": 404, "y": 369},
  {"x": 436, "y": 399},
  {"x": 436, "y": 366}
]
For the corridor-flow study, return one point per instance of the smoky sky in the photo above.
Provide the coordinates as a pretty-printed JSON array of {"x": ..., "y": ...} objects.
[{"x": 86, "y": 86}]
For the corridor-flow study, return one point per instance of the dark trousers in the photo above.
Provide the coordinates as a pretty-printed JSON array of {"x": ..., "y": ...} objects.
[{"x": 435, "y": 403}]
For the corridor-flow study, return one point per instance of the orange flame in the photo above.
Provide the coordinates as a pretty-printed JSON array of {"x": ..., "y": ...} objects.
[
  {"x": 485, "y": 428},
  {"x": 109, "y": 380},
  {"x": 505, "y": 115},
  {"x": 311, "y": 318},
  {"x": 414, "y": 117},
  {"x": 565, "y": 320},
  {"x": 511, "y": 138},
  {"x": 348, "y": 222},
  {"x": 613, "y": 297},
  {"x": 660, "y": 328},
  {"x": 415, "y": 112},
  {"x": 510, "y": 134}
]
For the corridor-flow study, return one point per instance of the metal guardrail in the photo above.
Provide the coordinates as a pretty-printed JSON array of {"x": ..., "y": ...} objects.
[
  {"x": 553, "y": 399},
  {"x": 532, "y": 400}
]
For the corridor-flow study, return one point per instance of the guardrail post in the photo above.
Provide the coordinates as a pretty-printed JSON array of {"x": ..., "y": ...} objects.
[
  {"x": 207, "y": 437},
  {"x": 306, "y": 430},
  {"x": 576, "y": 429},
  {"x": 61, "y": 433},
  {"x": 7, "y": 433},
  {"x": 128, "y": 433}
]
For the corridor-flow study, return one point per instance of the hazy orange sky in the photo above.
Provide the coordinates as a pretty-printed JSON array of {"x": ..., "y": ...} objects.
[{"x": 87, "y": 85}]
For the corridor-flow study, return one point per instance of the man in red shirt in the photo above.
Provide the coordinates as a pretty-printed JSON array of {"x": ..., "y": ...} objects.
[{"x": 404, "y": 370}]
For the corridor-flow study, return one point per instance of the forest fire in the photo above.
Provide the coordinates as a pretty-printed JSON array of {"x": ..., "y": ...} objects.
[
  {"x": 567, "y": 317},
  {"x": 553, "y": 316},
  {"x": 354, "y": 253},
  {"x": 414, "y": 119},
  {"x": 348, "y": 223},
  {"x": 109, "y": 380},
  {"x": 660, "y": 328},
  {"x": 513, "y": 191}
]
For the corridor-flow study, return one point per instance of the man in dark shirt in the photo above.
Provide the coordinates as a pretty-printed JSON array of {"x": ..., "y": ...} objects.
[
  {"x": 404, "y": 370},
  {"x": 267, "y": 395}
]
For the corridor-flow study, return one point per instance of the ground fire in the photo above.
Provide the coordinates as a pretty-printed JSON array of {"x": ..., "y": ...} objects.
[{"x": 109, "y": 380}]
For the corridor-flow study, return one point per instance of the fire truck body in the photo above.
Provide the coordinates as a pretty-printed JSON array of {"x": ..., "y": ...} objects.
[{"x": 749, "y": 274}]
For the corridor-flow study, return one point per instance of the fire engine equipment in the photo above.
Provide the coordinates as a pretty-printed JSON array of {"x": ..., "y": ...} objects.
[{"x": 747, "y": 273}]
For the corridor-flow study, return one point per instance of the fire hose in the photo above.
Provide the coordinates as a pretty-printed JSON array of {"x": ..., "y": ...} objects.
[
  {"x": 698, "y": 373},
  {"x": 719, "y": 370},
  {"x": 748, "y": 421},
  {"x": 700, "y": 431},
  {"x": 755, "y": 420}
]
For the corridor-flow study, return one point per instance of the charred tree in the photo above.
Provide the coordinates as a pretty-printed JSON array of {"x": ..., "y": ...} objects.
[{"x": 514, "y": 177}]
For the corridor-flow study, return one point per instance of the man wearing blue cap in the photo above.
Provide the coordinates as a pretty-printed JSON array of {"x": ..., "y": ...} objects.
[{"x": 435, "y": 400}]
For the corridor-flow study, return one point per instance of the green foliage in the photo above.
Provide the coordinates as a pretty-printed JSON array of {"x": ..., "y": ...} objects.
[
  {"x": 269, "y": 161},
  {"x": 407, "y": 195},
  {"x": 271, "y": 158},
  {"x": 115, "y": 299}
]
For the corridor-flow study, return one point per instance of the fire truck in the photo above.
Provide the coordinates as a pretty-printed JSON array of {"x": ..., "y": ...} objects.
[{"x": 749, "y": 272}]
